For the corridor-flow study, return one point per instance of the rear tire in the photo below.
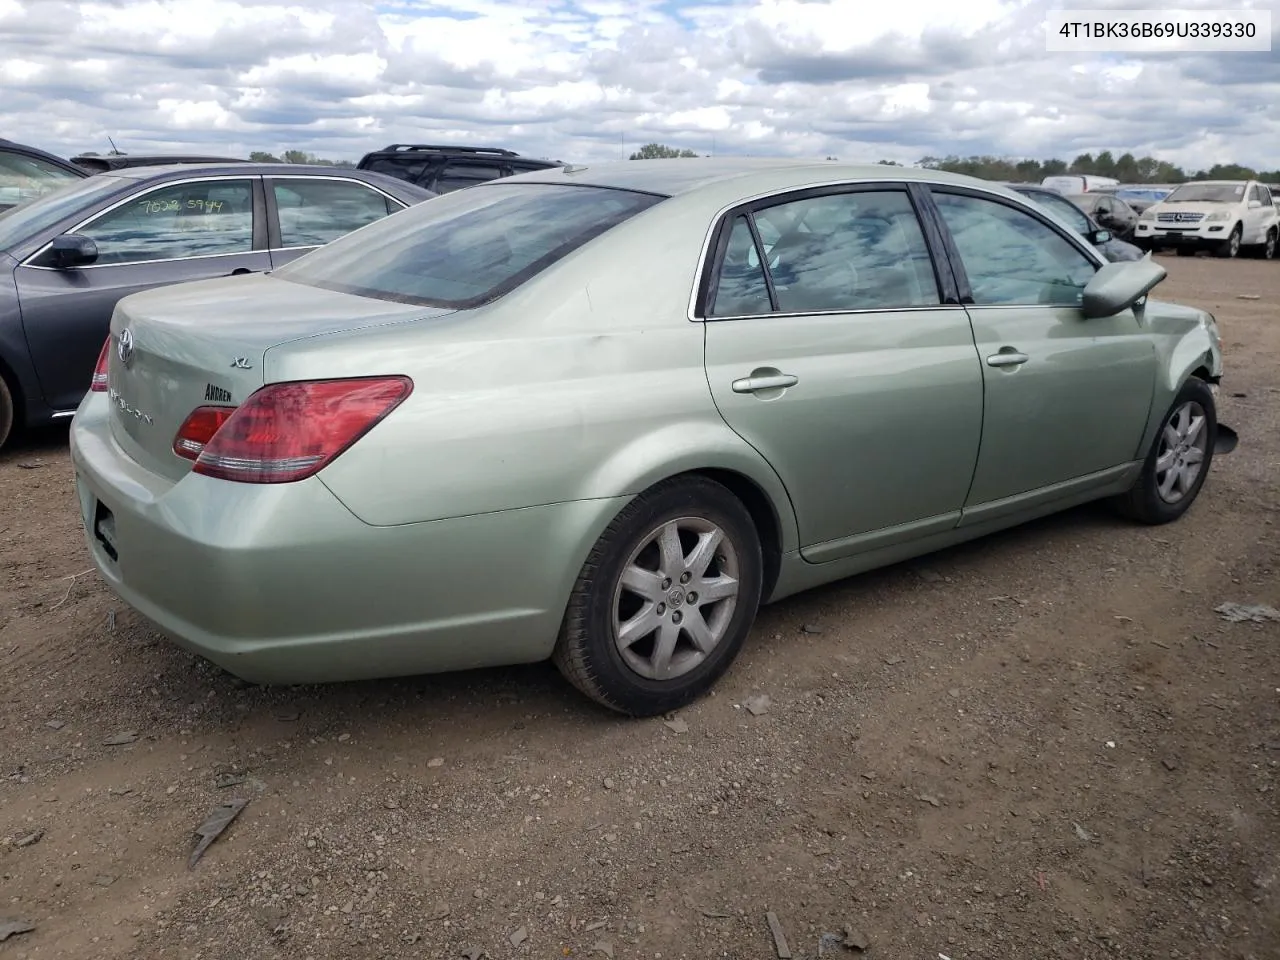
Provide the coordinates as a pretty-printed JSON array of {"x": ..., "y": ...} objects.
[
  {"x": 6, "y": 412},
  {"x": 665, "y": 599},
  {"x": 1178, "y": 461}
]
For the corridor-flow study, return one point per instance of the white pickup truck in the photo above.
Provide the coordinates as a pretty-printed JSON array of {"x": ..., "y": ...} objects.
[{"x": 1227, "y": 217}]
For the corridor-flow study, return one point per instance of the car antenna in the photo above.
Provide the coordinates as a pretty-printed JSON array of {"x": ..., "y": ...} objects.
[{"x": 115, "y": 152}]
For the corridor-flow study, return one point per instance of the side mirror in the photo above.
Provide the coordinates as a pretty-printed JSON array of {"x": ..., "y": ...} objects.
[
  {"x": 72, "y": 250},
  {"x": 1118, "y": 286},
  {"x": 1099, "y": 236},
  {"x": 1255, "y": 204}
]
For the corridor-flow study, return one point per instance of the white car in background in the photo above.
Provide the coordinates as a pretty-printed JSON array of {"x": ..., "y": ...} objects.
[
  {"x": 1072, "y": 184},
  {"x": 1226, "y": 217}
]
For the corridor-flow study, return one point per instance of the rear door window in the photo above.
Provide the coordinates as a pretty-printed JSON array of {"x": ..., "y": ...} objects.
[
  {"x": 313, "y": 211},
  {"x": 468, "y": 247},
  {"x": 861, "y": 250}
]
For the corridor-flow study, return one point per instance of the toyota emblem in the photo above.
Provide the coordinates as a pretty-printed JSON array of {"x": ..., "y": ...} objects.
[{"x": 124, "y": 347}]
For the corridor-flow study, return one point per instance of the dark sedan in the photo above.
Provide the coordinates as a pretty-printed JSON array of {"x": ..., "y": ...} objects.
[
  {"x": 1106, "y": 242},
  {"x": 67, "y": 257},
  {"x": 1110, "y": 212}
]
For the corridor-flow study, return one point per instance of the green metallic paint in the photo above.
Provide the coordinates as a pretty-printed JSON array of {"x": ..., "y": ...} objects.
[
  {"x": 798, "y": 575},
  {"x": 1185, "y": 340},
  {"x": 283, "y": 584},
  {"x": 882, "y": 428},
  {"x": 1077, "y": 406}
]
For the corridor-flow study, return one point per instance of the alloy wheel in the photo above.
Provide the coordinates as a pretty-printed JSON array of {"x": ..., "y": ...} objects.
[
  {"x": 1180, "y": 458},
  {"x": 675, "y": 598}
]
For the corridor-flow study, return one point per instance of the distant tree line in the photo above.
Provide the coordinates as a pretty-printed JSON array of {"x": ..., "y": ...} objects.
[
  {"x": 297, "y": 156},
  {"x": 1126, "y": 168}
]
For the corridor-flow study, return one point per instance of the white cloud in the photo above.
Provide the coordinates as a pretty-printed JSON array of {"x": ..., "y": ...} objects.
[{"x": 575, "y": 79}]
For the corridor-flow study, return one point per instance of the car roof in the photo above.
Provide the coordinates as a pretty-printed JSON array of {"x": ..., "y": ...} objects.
[
  {"x": 675, "y": 176},
  {"x": 162, "y": 170},
  {"x": 401, "y": 189}
]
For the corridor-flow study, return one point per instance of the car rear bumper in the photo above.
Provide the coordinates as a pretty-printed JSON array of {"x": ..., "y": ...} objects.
[{"x": 283, "y": 584}]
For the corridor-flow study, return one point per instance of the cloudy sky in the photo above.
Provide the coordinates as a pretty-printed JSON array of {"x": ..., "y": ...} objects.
[{"x": 594, "y": 79}]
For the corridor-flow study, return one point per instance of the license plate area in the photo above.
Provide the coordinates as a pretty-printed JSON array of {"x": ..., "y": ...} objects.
[{"x": 104, "y": 530}]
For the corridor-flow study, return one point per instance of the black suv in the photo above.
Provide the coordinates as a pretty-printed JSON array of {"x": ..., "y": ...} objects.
[{"x": 444, "y": 168}]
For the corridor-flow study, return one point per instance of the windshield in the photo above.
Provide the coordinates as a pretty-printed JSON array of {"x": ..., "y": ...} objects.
[
  {"x": 18, "y": 224},
  {"x": 467, "y": 247},
  {"x": 1210, "y": 192}
]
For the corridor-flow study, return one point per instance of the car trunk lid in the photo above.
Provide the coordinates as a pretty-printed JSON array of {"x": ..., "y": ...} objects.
[{"x": 177, "y": 348}]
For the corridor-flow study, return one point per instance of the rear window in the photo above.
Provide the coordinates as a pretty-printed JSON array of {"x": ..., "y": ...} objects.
[{"x": 466, "y": 248}]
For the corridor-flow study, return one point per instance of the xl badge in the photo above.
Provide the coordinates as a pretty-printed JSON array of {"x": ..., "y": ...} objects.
[
  {"x": 124, "y": 346},
  {"x": 241, "y": 363}
]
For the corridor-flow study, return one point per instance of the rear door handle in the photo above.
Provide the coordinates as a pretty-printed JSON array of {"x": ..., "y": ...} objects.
[
  {"x": 1010, "y": 358},
  {"x": 769, "y": 382}
]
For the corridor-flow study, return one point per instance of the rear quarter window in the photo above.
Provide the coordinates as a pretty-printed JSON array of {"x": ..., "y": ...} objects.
[{"x": 469, "y": 247}]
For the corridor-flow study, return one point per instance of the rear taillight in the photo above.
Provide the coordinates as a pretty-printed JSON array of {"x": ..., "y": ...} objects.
[
  {"x": 289, "y": 431},
  {"x": 99, "y": 382},
  {"x": 198, "y": 429}
]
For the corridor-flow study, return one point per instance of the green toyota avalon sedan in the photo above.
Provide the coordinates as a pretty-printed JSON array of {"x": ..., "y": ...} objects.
[{"x": 601, "y": 413}]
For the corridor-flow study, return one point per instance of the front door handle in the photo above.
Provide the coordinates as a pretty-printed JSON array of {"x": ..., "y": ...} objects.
[
  {"x": 1007, "y": 358},
  {"x": 774, "y": 381}
]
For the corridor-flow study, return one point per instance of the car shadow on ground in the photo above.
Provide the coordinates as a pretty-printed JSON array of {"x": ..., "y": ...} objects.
[{"x": 39, "y": 442}]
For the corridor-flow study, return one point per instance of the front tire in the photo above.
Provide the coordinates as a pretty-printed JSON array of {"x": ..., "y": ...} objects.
[
  {"x": 1230, "y": 247},
  {"x": 665, "y": 599},
  {"x": 1179, "y": 459}
]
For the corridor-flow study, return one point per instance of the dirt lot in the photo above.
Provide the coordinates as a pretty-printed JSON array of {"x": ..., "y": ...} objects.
[{"x": 1042, "y": 745}]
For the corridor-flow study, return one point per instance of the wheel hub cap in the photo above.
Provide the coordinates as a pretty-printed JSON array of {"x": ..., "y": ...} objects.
[
  {"x": 1181, "y": 454},
  {"x": 675, "y": 598}
]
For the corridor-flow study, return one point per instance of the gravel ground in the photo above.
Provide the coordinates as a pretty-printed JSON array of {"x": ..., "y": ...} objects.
[{"x": 1045, "y": 744}]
